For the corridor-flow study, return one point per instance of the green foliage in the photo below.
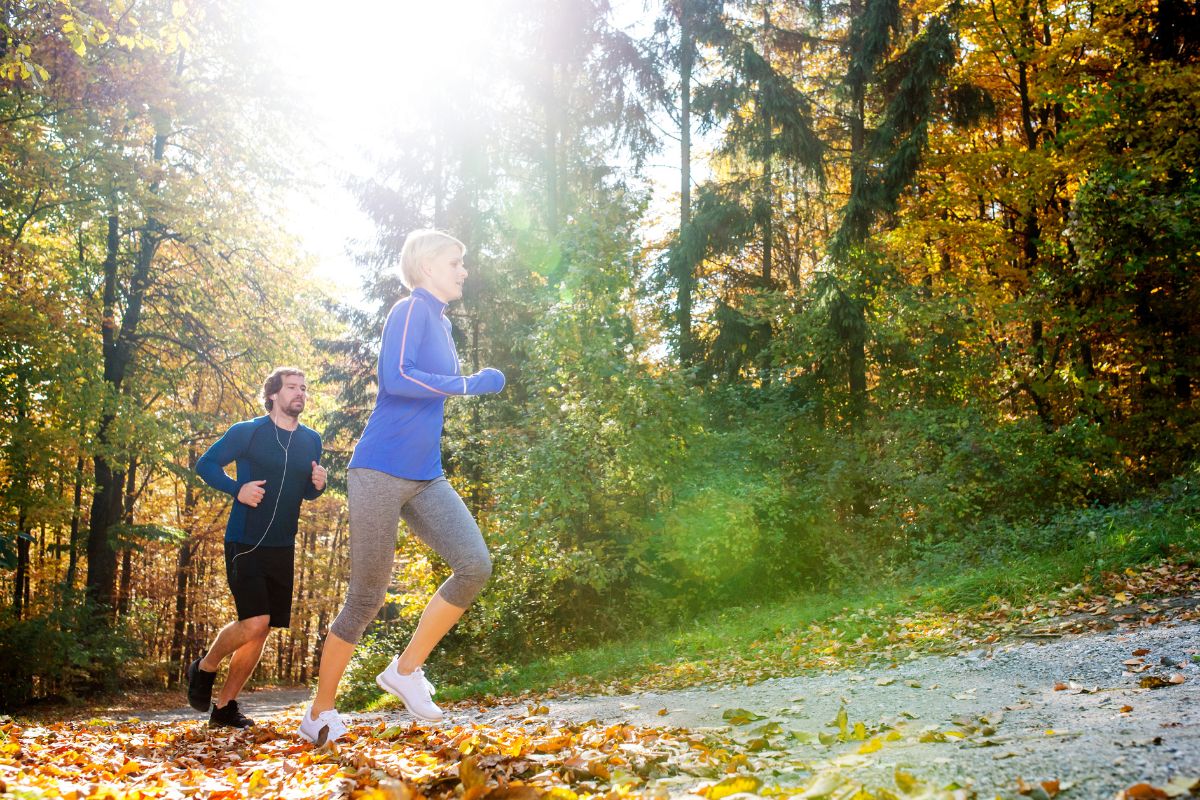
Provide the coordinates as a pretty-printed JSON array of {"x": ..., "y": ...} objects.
[
  {"x": 781, "y": 120},
  {"x": 62, "y": 654},
  {"x": 947, "y": 474},
  {"x": 592, "y": 459}
]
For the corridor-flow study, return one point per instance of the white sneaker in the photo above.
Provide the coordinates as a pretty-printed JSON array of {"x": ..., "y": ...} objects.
[
  {"x": 327, "y": 727},
  {"x": 412, "y": 689}
]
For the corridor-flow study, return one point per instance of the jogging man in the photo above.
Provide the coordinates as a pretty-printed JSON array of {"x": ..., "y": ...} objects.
[{"x": 278, "y": 466}]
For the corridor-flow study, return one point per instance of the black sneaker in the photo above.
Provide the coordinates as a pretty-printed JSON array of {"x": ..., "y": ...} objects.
[
  {"x": 228, "y": 716},
  {"x": 199, "y": 686}
]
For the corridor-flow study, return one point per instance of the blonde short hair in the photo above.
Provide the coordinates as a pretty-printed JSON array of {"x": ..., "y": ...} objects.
[{"x": 420, "y": 246}]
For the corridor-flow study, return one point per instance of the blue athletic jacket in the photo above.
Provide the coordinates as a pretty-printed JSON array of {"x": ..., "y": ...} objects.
[{"x": 418, "y": 369}]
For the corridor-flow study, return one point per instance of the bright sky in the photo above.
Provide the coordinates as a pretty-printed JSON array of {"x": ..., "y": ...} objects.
[
  {"x": 357, "y": 65},
  {"x": 350, "y": 64}
]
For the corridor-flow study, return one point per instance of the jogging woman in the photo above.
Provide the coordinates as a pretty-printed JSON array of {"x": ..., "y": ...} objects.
[{"x": 396, "y": 473}]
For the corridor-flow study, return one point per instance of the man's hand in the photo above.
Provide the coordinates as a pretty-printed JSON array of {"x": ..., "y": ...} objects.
[
  {"x": 251, "y": 493},
  {"x": 319, "y": 475}
]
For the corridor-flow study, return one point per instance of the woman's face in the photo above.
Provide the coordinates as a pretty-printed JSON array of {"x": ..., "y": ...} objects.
[{"x": 445, "y": 274}]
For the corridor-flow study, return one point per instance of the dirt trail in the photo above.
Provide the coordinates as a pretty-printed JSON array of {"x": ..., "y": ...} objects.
[
  {"x": 987, "y": 719},
  {"x": 991, "y": 717}
]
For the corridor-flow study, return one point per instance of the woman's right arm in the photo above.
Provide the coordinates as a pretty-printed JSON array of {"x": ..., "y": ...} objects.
[{"x": 403, "y": 334}]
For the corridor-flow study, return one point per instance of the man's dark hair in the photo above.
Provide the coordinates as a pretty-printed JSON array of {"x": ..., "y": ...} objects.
[{"x": 274, "y": 383}]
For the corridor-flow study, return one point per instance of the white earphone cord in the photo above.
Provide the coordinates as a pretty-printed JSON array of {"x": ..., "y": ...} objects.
[{"x": 279, "y": 494}]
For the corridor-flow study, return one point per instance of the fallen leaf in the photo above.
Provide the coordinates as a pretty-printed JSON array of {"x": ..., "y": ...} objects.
[
  {"x": 1180, "y": 786},
  {"x": 905, "y": 782},
  {"x": 872, "y": 745},
  {"x": 513, "y": 792},
  {"x": 735, "y": 785},
  {"x": 823, "y": 785},
  {"x": 740, "y": 716},
  {"x": 470, "y": 774},
  {"x": 395, "y": 789}
]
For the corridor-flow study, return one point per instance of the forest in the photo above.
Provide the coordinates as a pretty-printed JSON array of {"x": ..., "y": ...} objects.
[{"x": 919, "y": 294}]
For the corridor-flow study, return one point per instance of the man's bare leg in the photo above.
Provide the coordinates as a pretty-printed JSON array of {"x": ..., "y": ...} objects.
[
  {"x": 244, "y": 660},
  {"x": 232, "y": 637}
]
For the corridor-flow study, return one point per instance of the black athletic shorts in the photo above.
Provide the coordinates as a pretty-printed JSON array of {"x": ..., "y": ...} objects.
[{"x": 261, "y": 580}]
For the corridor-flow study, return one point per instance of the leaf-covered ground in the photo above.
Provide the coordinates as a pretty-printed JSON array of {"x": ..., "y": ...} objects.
[{"x": 1026, "y": 709}]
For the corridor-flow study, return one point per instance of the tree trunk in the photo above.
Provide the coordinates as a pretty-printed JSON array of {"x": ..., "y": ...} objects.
[
  {"x": 102, "y": 559},
  {"x": 21, "y": 479},
  {"x": 855, "y": 344},
  {"x": 439, "y": 190},
  {"x": 22, "y": 575},
  {"x": 685, "y": 278},
  {"x": 118, "y": 354},
  {"x": 310, "y": 550},
  {"x": 76, "y": 518},
  {"x": 183, "y": 559},
  {"x": 127, "y": 550},
  {"x": 106, "y": 510},
  {"x": 768, "y": 189}
]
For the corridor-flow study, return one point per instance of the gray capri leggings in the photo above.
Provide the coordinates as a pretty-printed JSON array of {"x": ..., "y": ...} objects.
[{"x": 438, "y": 517}]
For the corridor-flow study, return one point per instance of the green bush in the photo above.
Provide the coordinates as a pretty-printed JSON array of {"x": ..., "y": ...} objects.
[
  {"x": 62, "y": 654},
  {"x": 593, "y": 459},
  {"x": 948, "y": 473}
]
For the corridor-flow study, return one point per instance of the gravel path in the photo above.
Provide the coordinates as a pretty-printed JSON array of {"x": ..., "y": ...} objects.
[
  {"x": 990, "y": 717},
  {"x": 1078, "y": 734},
  {"x": 261, "y": 704}
]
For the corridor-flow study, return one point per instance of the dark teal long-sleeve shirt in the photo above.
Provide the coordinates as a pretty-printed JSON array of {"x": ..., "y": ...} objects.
[{"x": 258, "y": 445}]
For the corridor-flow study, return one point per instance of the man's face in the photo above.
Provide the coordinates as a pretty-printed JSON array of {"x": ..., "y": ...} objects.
[{"x": 291, "y": 396}]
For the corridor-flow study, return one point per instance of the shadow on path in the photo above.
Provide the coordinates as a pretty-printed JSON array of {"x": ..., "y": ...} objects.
[{"x": 262, "y": 704}]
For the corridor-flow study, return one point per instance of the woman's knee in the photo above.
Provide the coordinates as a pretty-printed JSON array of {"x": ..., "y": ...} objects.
[
  {"x": 366, "y": 601},
  {"x": 467, "y": 581},
  {"x": 477, "y": 570},
  {"x": 358, "y": 612}
]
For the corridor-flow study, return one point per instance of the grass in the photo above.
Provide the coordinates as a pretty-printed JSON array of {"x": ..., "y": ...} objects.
[{"x": 792, "y": 634}]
